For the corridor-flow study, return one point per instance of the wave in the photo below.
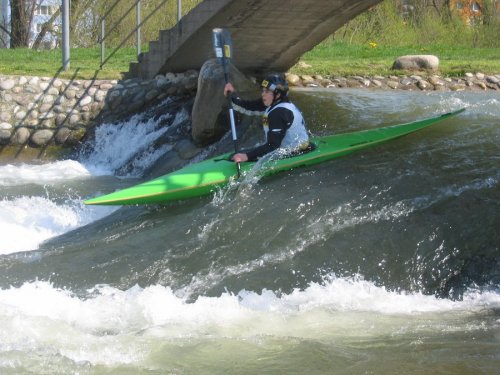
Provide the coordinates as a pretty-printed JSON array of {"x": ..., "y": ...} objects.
[
  {"x": 109, "y": 311},
  {"x": 26, "y": 222},
  {"x": 42, "y": 174}
]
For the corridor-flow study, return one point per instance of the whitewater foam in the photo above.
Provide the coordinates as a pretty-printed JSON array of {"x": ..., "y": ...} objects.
[
  {"x": 26, "y": 222},
  {"x": 42, "y": 174},
  {"x": 110, "y": 311}
]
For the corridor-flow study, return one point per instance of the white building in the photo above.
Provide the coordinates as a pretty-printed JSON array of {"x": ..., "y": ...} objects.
[
  {"x": 43, "y": 13},
  {"x": 4, "y": 23}
]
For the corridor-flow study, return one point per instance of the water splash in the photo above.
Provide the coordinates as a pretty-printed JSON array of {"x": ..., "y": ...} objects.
[{"x": 26, "y": 222}]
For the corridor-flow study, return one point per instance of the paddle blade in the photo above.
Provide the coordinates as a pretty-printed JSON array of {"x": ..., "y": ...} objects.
[
  {"x": 222, "y": 44},
  {"x": 218, "y": 43}
]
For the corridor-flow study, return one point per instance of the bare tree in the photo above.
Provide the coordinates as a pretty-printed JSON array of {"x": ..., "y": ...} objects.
[
  {"x": 22, "y": 12},
  {"x": 47, "y": 27}
]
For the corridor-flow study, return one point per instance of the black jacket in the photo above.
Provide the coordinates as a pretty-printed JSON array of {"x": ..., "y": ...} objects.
[{"x": 279, "y": 121}]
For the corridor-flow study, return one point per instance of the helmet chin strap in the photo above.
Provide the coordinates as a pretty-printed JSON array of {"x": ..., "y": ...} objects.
[{"x": 276, "y": 98}]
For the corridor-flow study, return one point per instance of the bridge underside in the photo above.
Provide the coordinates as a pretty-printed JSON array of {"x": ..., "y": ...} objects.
[{"x": 268, "y": 35}]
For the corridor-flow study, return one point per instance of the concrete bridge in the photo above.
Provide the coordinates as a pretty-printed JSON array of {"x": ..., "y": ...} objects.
[{"x": 268, "y": 35}]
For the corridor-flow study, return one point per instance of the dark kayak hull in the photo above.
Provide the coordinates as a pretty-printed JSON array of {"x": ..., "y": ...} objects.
[{"x": 205, "y": 177}]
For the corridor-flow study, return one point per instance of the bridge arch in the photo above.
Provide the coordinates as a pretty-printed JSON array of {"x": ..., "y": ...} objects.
[{"x": 267, "y": 34}]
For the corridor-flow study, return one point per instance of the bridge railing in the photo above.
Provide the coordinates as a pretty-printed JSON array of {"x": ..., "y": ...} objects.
[{"x": 137, "y": 30}]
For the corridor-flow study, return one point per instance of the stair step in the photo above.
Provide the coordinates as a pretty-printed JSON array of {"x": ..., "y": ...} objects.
[{"x": 133, "y": 70}]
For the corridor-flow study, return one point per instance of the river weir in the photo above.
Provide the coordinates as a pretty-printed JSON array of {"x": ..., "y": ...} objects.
[{"x": 383, "y": 262}]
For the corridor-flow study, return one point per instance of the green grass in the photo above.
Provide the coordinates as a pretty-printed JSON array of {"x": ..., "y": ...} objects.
[
  {"x": 330, "y": 58},
  {"x": 84, "y": 63}
]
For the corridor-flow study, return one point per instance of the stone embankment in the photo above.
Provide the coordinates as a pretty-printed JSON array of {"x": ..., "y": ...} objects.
[
  {"x": 470, "y": 81},
  {"x": 42, "y": 111},
  {"x": 36, "y": 112}
]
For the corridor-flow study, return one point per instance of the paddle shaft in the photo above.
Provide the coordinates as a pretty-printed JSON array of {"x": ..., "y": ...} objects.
[{"x": 222, "y": 47}]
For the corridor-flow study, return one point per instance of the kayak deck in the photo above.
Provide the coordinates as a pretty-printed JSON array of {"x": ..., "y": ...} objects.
[{"x": 204, "y": 177}]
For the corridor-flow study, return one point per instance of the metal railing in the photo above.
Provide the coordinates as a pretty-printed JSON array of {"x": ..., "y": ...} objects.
[{"x": 137, "y": 30}]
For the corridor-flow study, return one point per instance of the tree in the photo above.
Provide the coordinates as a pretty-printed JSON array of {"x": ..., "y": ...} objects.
[
  {"x": 22, "y": 12},
  {"x": 46, "y": 28}
]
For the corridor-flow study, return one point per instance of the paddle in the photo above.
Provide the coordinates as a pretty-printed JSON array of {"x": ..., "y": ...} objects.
[{"x": 222, "y": 46}]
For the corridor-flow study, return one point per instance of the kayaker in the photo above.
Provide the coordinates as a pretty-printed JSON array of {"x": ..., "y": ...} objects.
[{"x": 282, "y": 121}]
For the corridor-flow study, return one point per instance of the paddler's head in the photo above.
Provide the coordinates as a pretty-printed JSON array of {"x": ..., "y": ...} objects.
[{"x": 274, "y": 89}]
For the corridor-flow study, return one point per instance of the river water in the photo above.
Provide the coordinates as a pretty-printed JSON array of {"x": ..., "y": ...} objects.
[{"x": 386, "y": 261}]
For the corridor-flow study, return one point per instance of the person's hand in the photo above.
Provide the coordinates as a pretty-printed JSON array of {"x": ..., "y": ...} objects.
[
  {"x": 239, "y": 158},
  {"x": 229, "y": 88}
]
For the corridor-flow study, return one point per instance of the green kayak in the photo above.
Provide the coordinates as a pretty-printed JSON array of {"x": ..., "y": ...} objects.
[{"x": 205, "y": 177}]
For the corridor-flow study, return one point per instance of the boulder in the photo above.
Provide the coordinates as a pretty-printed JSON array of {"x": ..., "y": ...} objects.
[
  {"x": 7, "y": 84},
  {"x": 42, "y": 137},
  {"x": 210, "y": 102},
  {"x": 416, "y": 62}
]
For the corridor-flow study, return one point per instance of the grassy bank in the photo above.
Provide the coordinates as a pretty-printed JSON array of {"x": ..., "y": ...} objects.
[
  {"x": 343, "y": 59},
  {"x": 330, "y": 58},
  {"x": 84, "y": 63}
]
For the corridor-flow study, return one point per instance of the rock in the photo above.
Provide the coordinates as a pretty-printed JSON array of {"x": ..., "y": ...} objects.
[
  {"x": 21, "y": 136},
  {"x": 304, "y": 65},
  {"x": 5, "y": 116},
  {"x": 162, "y": 83},
  {"x": 152, "y": 95},
  {"x": 423, "y": 85},
  {"x": 46, "y": 116},
  {"x": 436, "y": 81},
  {"x": 85, "y": 101},
  {"x": 5, "y": 97},
  {"x": 32, "y": 89},
  {"x": 60, "y": 119},
  {"x": 457, "y": 87},
  {"x": 306, "y": 79},
  {"x": 5, "y": 136},
  {"x": 353, "y": 83},
  {"x": 53, "y": 91},
  {"x": 5, "y": 126},
  {"x": 45, "y": 107},
  {"x": 210, "y": 102},
  {"x": 479, "y": 75},
  {"x": 481, "y": 84},
  {"x": 48, "y": 99},
  {"x": 21, "y": 115},
  {"x": 73, "y": 119},
  {"x": 492, "y": 79},
  {"x": 7, "y": 84},
  {"x": 42, "y": 137},
  {"x": 106, "y": 86},
  {"x": 416, "y": 62},
  {"x": 70, "y": 94},
  {"x": 293, "y": 79},
  {"x": 186, "y": 149},
  {"x": 62, "y": 135},
  {"x": 406, "y": 81},
  {"x": 393, "y": 84}
]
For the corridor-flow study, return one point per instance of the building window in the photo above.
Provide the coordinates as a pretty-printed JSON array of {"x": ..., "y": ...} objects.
[
  {"x": 44, "y": 10},
  {"x": 476, "y": 7},
  {"x": 459, "y": 5},
  {"x": 38, "y": 27}
]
